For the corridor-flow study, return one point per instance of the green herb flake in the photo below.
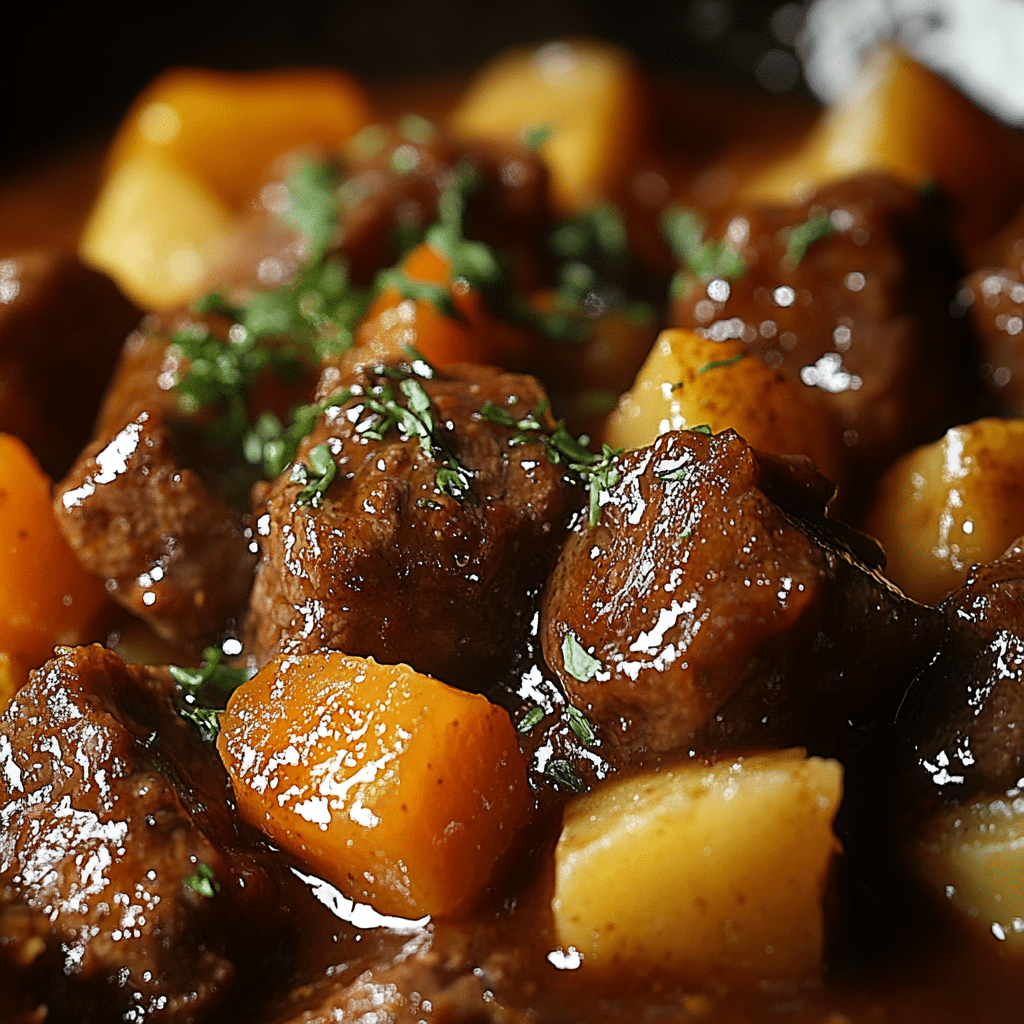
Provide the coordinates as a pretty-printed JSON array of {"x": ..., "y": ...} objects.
[
  {"x": 580, "y": 664},
  {"x": 203, "y": 881},
  {"x": 530, "y": 719},
  {"x": 316, "y": 477},
  {"x": 677, "y": 474},
  {"x": 684, "y": 229},
  {"x": 717, "y": 364},
  {"x": 701, "y": 428},
  {"x": 535, "y": 137},
  {"x": 205, "y": 720},
  {"x": 581, "y": 726},
  {"x": 802, "y": 236},
  {"x": 564, "y": 774},
  {"x": 417, "y": 129}
]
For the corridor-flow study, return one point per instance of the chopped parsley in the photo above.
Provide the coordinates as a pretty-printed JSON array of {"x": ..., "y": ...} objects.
[
  {"x": 679, "y": 473},
  {"x": 204, "y": 690},
  {"x": 408, "y": 411},
  {"x": 705, "y": 260},
  {"x": 316, "y": 477},
  {"x": 530, "y": 719},
  {"x": 717, "y": 364},
  {"x": 578, "y": 662},
  {"x": 581, "y": 725},
  {"x": 203, "y": 881},
  {"x": 564, "y": 774},
  {"x": 535, "y": 137},
  {"x": 802, "y": 236},
  {"x": 598, "y": 472}
]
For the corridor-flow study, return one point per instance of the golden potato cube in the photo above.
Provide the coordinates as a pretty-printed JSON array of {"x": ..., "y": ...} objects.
[
  {"x": 155, "y": 229},
  {"x": 973, "y": 857},
  {"x": 899, "y": 117},
  {"x": 702, "y": 871},
  {"x": 587, "y": 94},
  {"x": 948, "y": 505},
  {"x": 688, "y": 380}
]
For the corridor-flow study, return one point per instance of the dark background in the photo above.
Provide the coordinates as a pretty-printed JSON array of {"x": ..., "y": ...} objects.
[{"x": 68, "y": 71}]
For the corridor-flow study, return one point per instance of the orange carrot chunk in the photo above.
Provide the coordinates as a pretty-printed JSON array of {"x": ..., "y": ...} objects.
[
  {"x": 46, "y": 597},
  {"x": 465, "y": 331},
  {"x": 399, "y": 790}
]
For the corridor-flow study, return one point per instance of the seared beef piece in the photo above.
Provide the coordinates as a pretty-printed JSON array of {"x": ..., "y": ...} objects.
[
  {"x": 388, "y": 566},
  {"x": 861, "y": 318},
  {"x": 170, "y": 549},
  {"x": 108, "y": 805},
  {"x": 157, "y": 504},
  {"x": 61, "y": 327},
  {"x": 390, "y": 187},
  {"x": 994, "y": 301},
  {"x": 961, "y": 726},
  {"x": 726, "y": 609}
]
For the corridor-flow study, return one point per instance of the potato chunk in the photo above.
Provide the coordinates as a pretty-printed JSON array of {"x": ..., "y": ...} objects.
[
  {"x": 951, "y": 504},
  {"x": 588, "y": 94},
  {"x": 901, "y": 118},
  {"x": 702, "y": 870},
  {"x": 973, "y": 856},
  {"x": 688, "y": 380},
  {"x": 400, "y": 790},
  {"x": 188, "y": 156}
]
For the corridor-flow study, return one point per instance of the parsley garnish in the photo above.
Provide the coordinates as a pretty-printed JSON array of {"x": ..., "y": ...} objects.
[
  {"x": 716, "y": 364},
  {"x": 679, "y": 473},
  {"x": 580, "y": 664},
  {"x": 597, "y": 472},
  {"x": 683, "y": 229},
  {"x": 564, "y": 774},
  {"x": 202, "y": 688},
  {"x": 800, "y": 237},
  {"x": 530, "y": 719},
  {"x": 580, "y": 725},
  {"x": 316, "y": 477},
  {"x": 413, "y": 418},
  {"x": 701, "y": 428},
  {"x": 535, "y": 137},
  {"x": 203, "y": 881}
]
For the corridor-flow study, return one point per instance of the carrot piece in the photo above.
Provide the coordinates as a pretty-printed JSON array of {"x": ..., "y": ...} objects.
[
  {"x": 398, "y": 789},
  {"x": 46, "y": 597},
  {"x": 475, "y": 335}
]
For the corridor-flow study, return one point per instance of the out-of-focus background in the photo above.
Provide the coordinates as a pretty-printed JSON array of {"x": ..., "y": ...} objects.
[{"x": 69, "y": 70}]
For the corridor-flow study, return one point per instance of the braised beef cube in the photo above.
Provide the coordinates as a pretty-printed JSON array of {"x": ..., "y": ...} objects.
[
  {"x": 961, "y": 727},
  {"x": 848, "y": 295},
  {"x": 115, "y": 826},
  {"x": 61, "y": 327},
  {"x": 392, "y": 563},
  {"x": 994, "y": 301},
  {"x": 715, "y": 606},
  {"x": 170, "y": 548}
]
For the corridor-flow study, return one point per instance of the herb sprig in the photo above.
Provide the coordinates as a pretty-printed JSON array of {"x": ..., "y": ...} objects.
[
  {"x": 701, "y": 258},
  {"x": 597, "y": 471},
  {"x": 204, "y": 690}
]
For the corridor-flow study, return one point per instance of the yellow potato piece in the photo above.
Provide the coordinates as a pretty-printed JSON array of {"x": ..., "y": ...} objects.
[
  {"x": 949, "y": 505},
  {"x": 187, "y": 159},
  {"x": 587, "y": 93},
  {"x": 899, "y": 117},
  {"x": 155, "y": 229},
  {"x": 703, "y": 871},
  {"x": 973, "y": 857},
  {"x": 688, "y": 380}
]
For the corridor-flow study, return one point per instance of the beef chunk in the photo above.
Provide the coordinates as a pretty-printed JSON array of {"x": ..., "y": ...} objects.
[
  {"x": 171, "y": 550},
  {"x": 859, "y": 317},
  {"x": 962, "y": 724},
  {"x": 157, "y": 504},
  {"x": 995, "y": 300},
  {"x": 387, "y": 564},
  {"x": 109, "y": 805},
  {"x": 61, "y": 327},
  {"x": 715, "y": 606}
]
